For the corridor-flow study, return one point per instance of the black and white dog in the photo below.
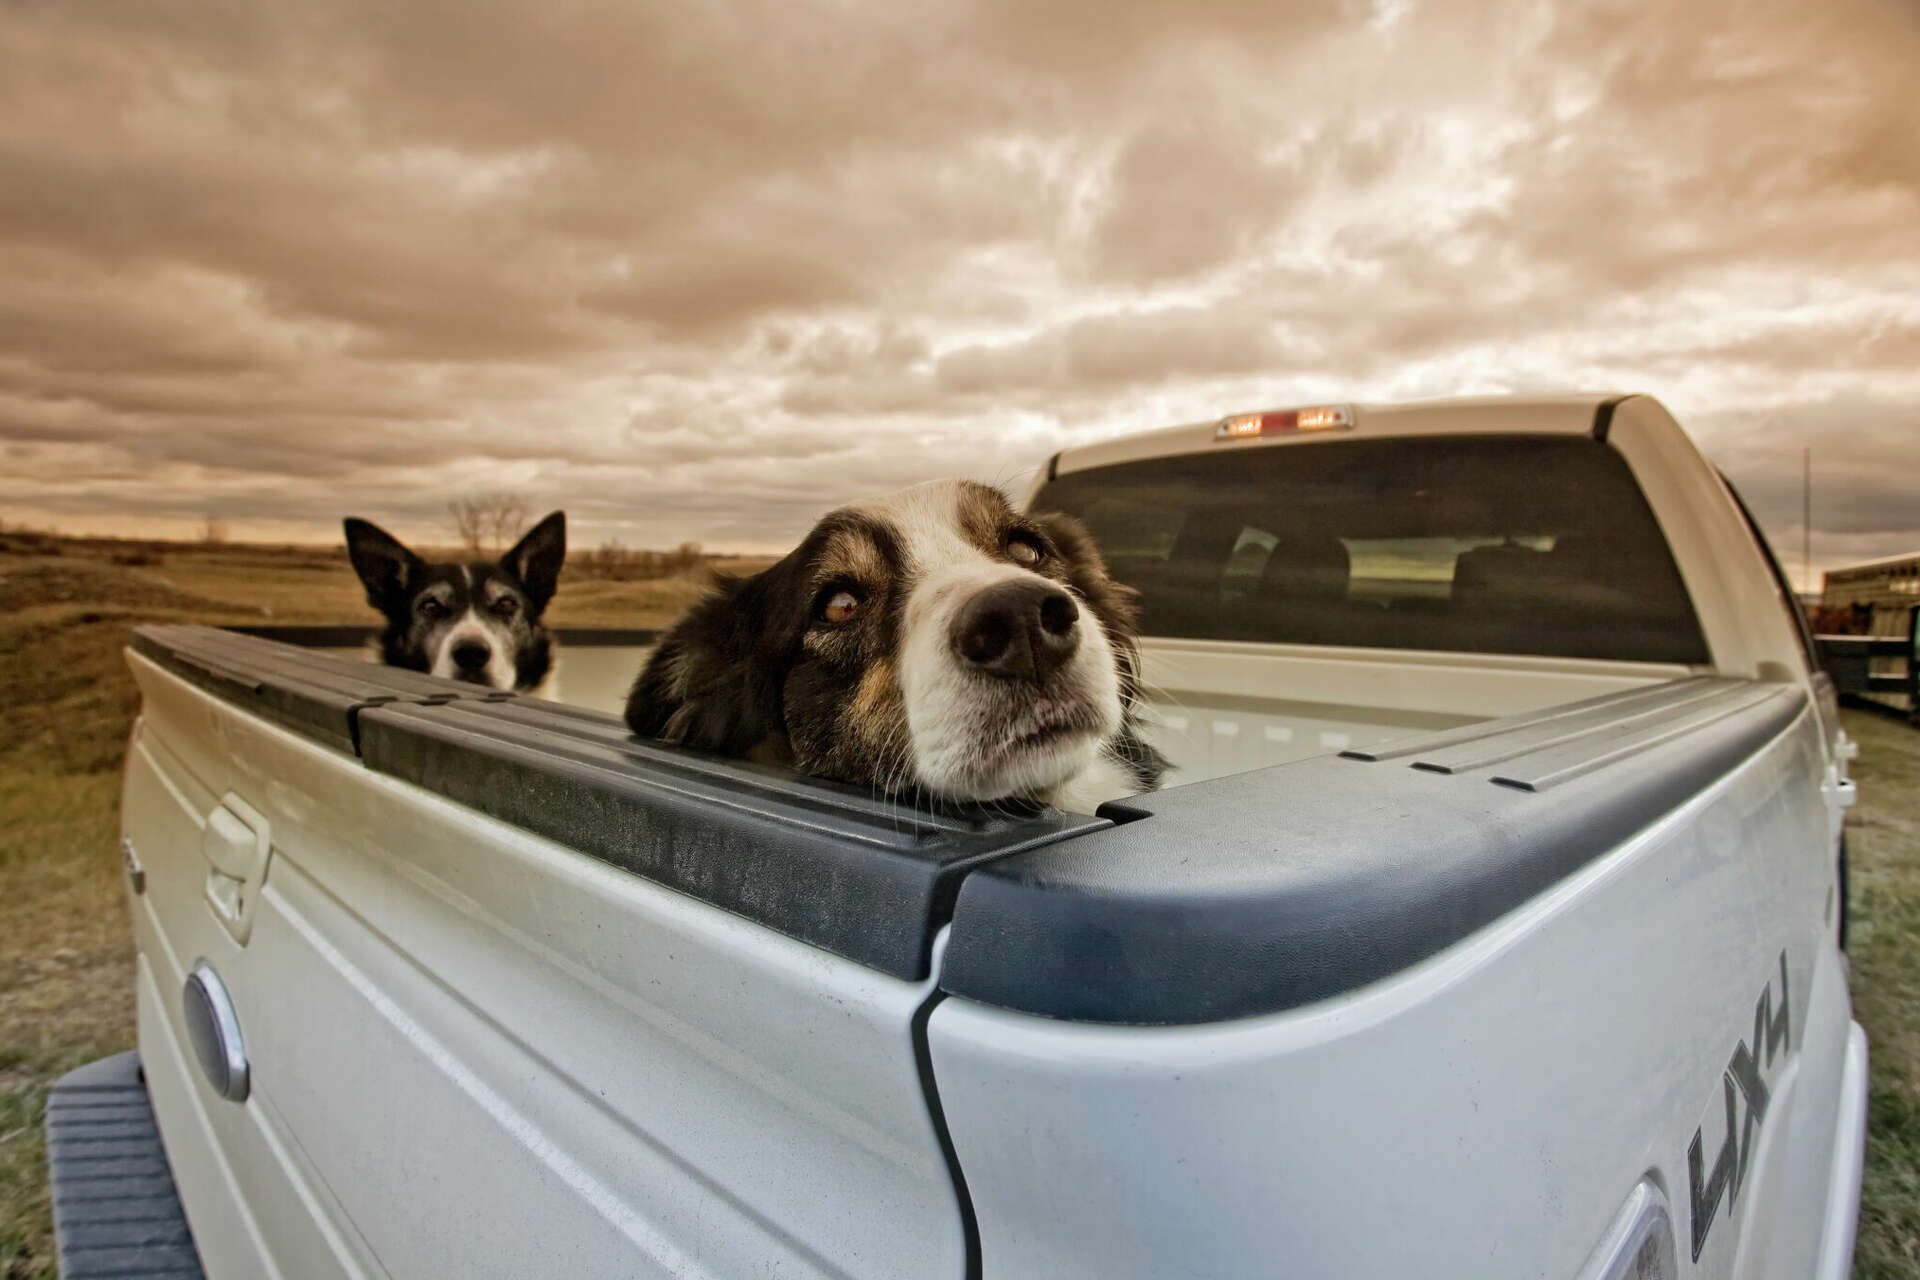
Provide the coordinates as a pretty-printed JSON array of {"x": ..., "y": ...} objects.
[
  {"x": 936, "y": 641},
  {"x": 476, "y": 622}
]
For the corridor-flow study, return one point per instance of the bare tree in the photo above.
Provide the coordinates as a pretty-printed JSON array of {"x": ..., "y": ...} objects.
[
  {"x": 509, "y": 518},
  {"x": 213, "y": 530},
  {"x": 488, "y": 520},
  {"x": 469, "y": 522}
]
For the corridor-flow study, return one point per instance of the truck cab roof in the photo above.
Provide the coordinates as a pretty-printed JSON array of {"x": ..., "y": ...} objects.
[{"x": 1570, "y": 413}]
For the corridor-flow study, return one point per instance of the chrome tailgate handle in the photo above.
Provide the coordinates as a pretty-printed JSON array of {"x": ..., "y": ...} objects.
[{"x": 236, "y": 845}]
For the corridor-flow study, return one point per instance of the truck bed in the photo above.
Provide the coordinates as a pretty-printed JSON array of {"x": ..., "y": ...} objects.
[
  {"x": 697, "y": 1016},
  {"x": 1215, "y": 708}
]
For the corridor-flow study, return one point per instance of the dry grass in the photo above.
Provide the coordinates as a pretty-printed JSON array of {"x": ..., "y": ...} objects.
[
  {"x": 67, "y": 608},
  {"x": 66, "y": 961},
  {"x": 1883, "y": 848}
]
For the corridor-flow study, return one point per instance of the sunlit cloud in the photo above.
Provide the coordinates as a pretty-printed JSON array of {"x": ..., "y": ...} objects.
[{"x": 699, "y": 272}]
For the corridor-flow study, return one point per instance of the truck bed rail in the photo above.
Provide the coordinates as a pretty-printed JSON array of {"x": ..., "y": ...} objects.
[
  {"x": 865, "y": 876},
  {"x": 1269, "y": 890}
]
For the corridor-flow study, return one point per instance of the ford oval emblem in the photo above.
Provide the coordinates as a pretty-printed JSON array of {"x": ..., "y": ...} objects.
[{"x": 215, "y": 1031}]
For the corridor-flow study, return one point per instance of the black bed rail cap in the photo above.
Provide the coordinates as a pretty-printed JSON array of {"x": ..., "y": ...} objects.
[
  {"x": 865, "y": 876},
  {"x": 314, "y": 694},
  {"x": 1273, "y": 889},
  {"x": 858, "y": 874}
]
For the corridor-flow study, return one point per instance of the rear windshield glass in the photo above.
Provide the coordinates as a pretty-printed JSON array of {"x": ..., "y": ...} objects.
[{"x": 1485, "y": 544}]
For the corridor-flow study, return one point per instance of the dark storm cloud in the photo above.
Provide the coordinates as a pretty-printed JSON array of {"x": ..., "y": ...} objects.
[
  {"x": 1864, "y": 504},
  {"x": 698, "y": 271}
]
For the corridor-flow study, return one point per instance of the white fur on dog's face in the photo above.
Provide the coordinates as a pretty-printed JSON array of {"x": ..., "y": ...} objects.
[
  {"x": 475, "y": 626},
  {"x": 973, "y": 737}
]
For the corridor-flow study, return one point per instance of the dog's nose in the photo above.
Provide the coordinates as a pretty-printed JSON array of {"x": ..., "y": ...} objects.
[
  {"x": 1021, "y": 629},
  {"x": 471, "y": 655}
]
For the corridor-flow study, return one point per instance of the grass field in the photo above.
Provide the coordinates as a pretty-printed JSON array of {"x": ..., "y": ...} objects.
[
  {"x": 67, "y": 702},
  {"x": 66, "y": 960},
  {"x": 1883, "y": 848}
]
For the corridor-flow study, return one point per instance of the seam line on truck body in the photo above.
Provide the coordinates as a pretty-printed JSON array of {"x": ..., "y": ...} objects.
[{"x": 929, "y": 1087}]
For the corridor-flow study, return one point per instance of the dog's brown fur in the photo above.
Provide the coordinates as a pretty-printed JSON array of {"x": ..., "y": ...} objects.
[{"x": 753, "y": 671}]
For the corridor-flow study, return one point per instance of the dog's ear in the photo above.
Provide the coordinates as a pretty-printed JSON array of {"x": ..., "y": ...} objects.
[
  {"x": 537, "y": 557},
  {"x": 715, "y": 682},
  {"x": 1116, "y": 604},
  {"x": 384, "y": 565},
  {"x": 1114, "y": 601}
]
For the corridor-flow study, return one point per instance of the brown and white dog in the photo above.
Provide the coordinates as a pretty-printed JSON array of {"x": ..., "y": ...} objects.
[{"x": 935, "y": 642}]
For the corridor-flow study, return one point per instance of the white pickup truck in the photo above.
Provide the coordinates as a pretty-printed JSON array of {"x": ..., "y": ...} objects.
[{"x": 1490, "y": 926}]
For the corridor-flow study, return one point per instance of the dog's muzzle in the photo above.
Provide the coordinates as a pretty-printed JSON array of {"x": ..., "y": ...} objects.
[
  {"x": 1021, "y": 629},
  {"x": 470, "y": 659}
]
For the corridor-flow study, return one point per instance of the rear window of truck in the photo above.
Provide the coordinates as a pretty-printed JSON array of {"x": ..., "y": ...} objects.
[{"x": 1539, "y": 545}]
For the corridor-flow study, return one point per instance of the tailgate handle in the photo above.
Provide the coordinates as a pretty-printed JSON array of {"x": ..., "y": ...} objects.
[
  {"x": 1838, "y": 790},
  {"x": 236, "y": 846}
]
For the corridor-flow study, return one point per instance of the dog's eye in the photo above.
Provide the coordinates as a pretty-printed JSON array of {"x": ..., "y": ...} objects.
[
  {"x": 505, "y": 607},
  {"x": 839, "y": 606},
  {"x": 1025, "y": 549},
  {"x": 431, "y": 608}
]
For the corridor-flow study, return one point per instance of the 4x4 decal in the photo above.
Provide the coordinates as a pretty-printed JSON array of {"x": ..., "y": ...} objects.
[{"x": 1744, "y": 1096}]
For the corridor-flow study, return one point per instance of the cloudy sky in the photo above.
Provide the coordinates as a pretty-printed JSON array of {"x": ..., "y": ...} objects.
[{"x": 698, "y": 271}]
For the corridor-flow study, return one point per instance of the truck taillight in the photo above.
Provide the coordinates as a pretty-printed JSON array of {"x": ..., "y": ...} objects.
[
  {"x": 1638, "y": 1244},
  {"x": 1244, "y": 426}
]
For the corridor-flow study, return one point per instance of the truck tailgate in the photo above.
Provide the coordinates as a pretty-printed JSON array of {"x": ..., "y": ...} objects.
[
  {"x": 475, "y": 1050},
  {"x": 1435, "y": 1010}
]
